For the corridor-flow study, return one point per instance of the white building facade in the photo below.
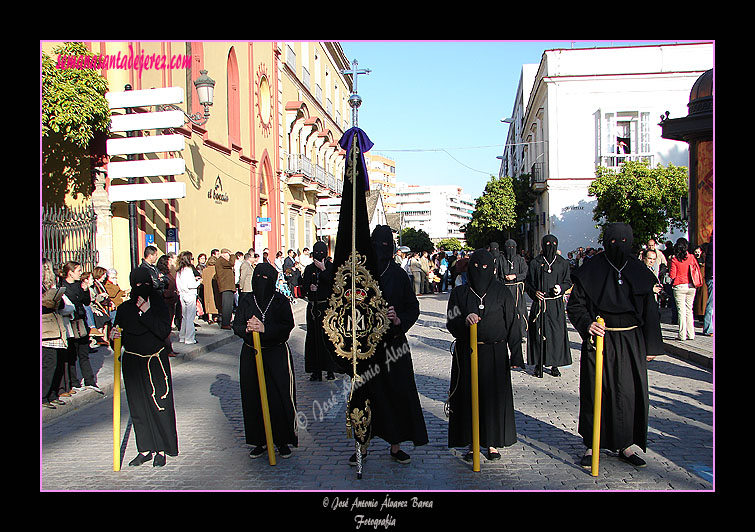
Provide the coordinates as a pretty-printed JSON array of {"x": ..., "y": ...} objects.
[
  {"x": 583, "y": 108},
  {"x": 439, "y": 210}
]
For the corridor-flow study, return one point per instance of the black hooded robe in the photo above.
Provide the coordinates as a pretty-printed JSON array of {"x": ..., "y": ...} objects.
[
  {"x": 596, "y": 292},
  {"x": 318, "y": 351},
  {"x": 396, "y": 411},
  {"x": 146, "y": 367},
  {"x": 556, "y": 342},
  {"x": 511, "y": 263},
  {"x": 274, "y": 310},
  {"x": 497, "y": 334}
]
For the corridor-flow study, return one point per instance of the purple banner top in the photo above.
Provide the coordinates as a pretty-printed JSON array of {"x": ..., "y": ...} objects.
[{"x": 365, "y": 145}]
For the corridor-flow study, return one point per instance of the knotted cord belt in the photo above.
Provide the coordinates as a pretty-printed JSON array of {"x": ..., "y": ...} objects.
[
  {"x": 613, "y": 329},
  {"x": 591, "y": 342},
  {"x": 516, "y": 301},
  {"x": 149, "y": 372}
]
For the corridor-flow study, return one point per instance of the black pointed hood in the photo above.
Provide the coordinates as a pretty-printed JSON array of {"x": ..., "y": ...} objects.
[{"x": 550, "y": 246}]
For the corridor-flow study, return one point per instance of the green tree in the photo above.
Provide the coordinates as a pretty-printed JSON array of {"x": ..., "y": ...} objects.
[
  {"x": 494, "y": 214},
  {"x": 449, "y": 244},
  {"x": 525, "y": 206},
  {"x": 646, "y": 198},
  {"x": 416, "y": 239},
  {"x": 74, "y": 114}
]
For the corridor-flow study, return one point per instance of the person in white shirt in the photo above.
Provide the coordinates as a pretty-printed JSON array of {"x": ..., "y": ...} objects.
[
  {"x": 305, "y": 259},
  {"x": 187, "y": 282}
]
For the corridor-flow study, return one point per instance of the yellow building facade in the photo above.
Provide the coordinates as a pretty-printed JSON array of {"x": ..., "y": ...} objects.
[
  {"x": 315, "y": 113},
  {"x": 247, "y": 181}
]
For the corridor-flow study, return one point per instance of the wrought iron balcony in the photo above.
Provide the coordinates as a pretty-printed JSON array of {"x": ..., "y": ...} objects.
[
  {"x": 311, "y": 176},
  {"x": 538, "y": 179},
  {"x": 614, "y": 160}
]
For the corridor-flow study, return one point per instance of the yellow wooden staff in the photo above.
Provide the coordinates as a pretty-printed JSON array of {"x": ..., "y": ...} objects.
[
  {"x": 475, "y": 399},
  {"x": 598, "y": 399},
  {"x": 117, "y": 401},
  {"x": 263, "y": 398}
]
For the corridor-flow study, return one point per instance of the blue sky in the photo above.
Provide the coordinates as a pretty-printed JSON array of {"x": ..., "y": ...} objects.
[{"x": 428, "y": 96}]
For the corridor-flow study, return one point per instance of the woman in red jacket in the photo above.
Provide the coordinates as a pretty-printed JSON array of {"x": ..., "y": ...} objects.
[{"x": 683, "y": 288}]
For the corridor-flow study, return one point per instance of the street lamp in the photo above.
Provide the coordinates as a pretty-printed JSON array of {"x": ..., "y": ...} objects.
[{"x": 205, "y": 86}]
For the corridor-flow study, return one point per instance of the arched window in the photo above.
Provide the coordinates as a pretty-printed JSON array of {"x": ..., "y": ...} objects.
[
  {"x": 234, "y": 109},
  {"x": 197, "y": 64}
]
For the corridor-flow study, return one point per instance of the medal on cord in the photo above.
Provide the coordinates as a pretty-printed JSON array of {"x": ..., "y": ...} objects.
[
  {"x": 481, "y": 305},
  {"x": 618, "y": 270},
  {"x": 266, "y": 308},
  {"x": 549, "y": 263}
]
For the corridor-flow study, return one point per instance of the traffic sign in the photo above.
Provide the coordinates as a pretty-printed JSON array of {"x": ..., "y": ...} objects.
[
  {"x": 139, "y": 121},
  {"x": 321, "y": 220},
  {"x": 151, "y": 144},
  {"x": 147, "y": 191},
  {"x": 145, "y": 97},
  {"x": 146, "y": 168}
]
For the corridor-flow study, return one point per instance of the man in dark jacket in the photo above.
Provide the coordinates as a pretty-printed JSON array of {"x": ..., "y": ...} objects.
[
  {"x": 226, "y": 285},
  {"x": 149, "y": 263}
]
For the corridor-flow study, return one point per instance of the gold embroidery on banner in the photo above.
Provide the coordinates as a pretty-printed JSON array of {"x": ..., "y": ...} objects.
[
  {"x": 371, "y": 309},
  {"x": 359, "y": 420}
]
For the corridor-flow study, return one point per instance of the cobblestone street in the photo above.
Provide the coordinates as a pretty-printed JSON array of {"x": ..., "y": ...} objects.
[{"x": 77, "y": 447}]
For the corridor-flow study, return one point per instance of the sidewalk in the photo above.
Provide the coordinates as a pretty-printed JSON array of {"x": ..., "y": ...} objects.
[{"x": 698, "y": 351}]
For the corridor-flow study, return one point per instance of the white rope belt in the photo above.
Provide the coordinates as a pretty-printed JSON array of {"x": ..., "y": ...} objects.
[
  {"x": 613, "y": 329},
  {"x": 149, "y": 372}
]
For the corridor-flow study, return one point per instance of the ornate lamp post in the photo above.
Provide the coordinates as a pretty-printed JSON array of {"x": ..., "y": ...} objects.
[{"x": 205, "y": 86}]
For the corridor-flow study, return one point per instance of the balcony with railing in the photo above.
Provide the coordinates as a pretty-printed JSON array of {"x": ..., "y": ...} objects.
[
  {"x": 311, "y": 176},
  {"x": 538, "y": 179},
  {"x": 614, "y": 160}
]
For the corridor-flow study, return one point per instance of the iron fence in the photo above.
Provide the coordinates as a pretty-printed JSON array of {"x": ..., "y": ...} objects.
[{"x": 69, "y": 235}]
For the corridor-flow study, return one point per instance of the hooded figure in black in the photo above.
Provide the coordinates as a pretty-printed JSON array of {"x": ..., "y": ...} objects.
[
  {"x": 317, "y": 284},
  {"x": 490, "y": 305},
  {"x": 495, "y": 250},
  {"x": 547, "y": 280},
  {"x": 144, "y": 323},
  {"x": 513, "y": 273},
  {"x": 396, "y": 410},
  {"x": 619, "y": 288},
  {"x": 268, "y": 312}
]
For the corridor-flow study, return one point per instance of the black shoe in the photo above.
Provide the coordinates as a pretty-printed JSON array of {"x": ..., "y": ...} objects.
[
  {"x": 494, "y": 455},
  {"x": 159, "y": 460},
  {"x": 330, "y": 376},
  {"x": 257, "y": 451},
  {"x": 316, "y": 377},
  {"x": 284, "y": 451},
  {"x": 555, "y": 372},
  {"x": 140, "y": 459},
  {"x": 400, "y": 456},
  {"x": 538, "y": 372},
  {"x": 632, "y": 459},
  {"x": 586, "y": 461},
  {"x": 353, "y": 459}
]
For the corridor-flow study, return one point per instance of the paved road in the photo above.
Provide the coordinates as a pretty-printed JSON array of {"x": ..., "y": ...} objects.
[{"x": 77, "y": 447}]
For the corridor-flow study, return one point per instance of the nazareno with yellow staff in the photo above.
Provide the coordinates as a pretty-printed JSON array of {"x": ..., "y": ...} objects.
[
  {"x": 619, "y": 288},
  {"x": 144, "y": 323},
  {"x": 488, "y": 303},
  {"x": 267, "y": 312}
]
